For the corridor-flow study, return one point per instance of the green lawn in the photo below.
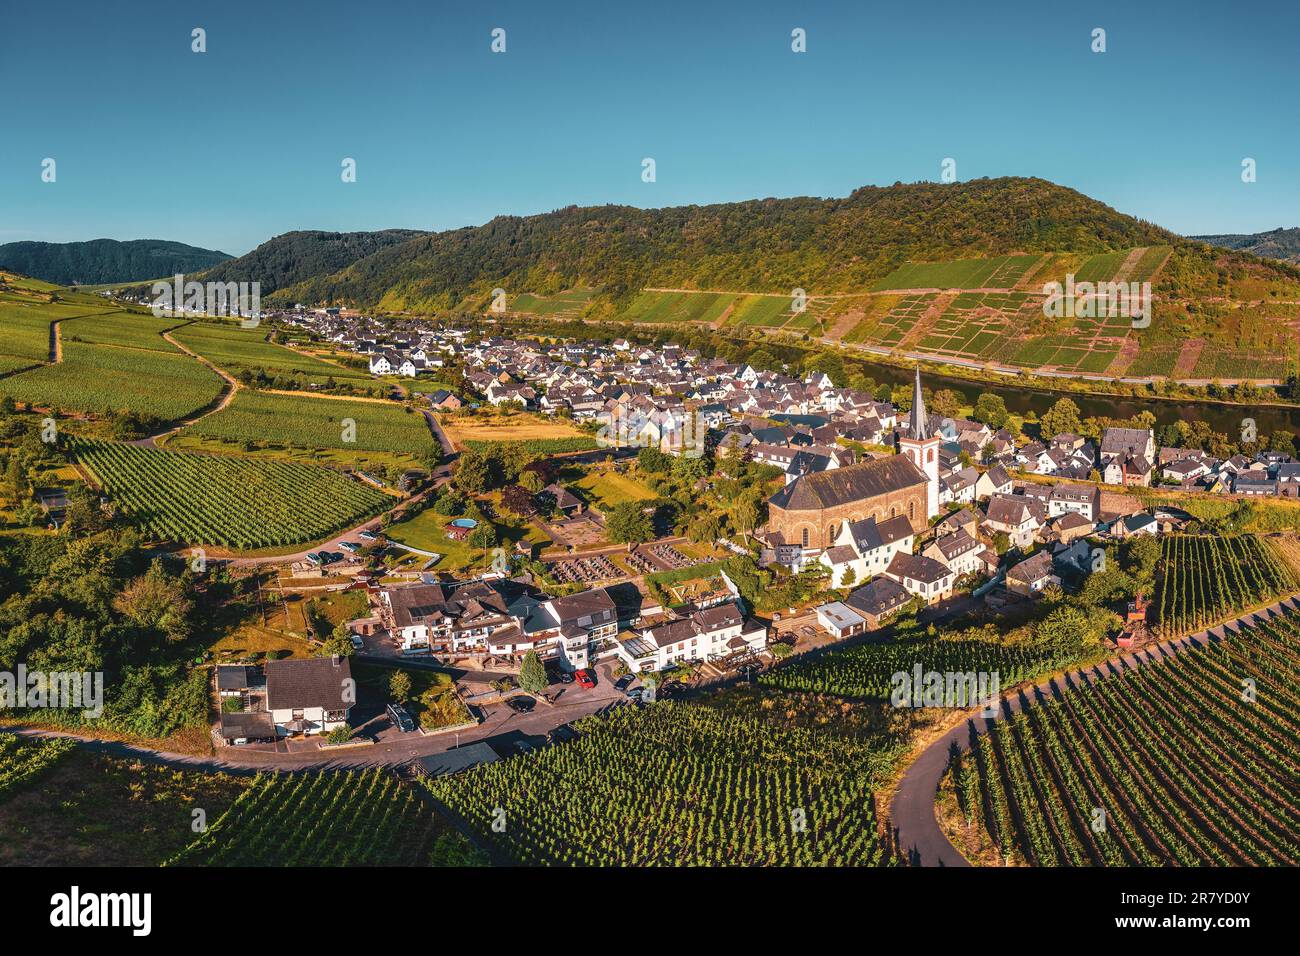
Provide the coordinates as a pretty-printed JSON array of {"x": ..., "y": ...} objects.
[{"x": 604, "y": 488}]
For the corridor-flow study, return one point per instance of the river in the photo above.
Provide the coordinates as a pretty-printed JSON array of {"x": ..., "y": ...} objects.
[{"x": 1221, "y": 418}]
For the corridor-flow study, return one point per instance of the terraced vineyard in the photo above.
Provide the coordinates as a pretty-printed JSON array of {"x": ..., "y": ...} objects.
[
  {"x": 21, "y": 760},
  {"x": 310, "y": 422},
  {"x": 864, "y": 671},
  {"x": 678, "y": 784},
  {"x": 1166, "y": 764},
  {"x": 1203, "y": 579},
  {"x": 239, "y": 503},
  {"x": 356, "y": 818}
]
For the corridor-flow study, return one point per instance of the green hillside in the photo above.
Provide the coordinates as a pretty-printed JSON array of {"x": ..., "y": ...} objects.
[{"x": 102, "y": 261}]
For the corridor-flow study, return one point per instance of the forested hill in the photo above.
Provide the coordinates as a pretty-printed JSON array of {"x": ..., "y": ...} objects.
[
  {"x": 1281, "y": 244},
  {"x": 105, "y": 260},
  {"x": 296, "y": 256},
  {"x": 821, "y": 245}
]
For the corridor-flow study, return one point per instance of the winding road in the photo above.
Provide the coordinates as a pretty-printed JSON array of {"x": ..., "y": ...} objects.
[{"x": 911, "y": 811}]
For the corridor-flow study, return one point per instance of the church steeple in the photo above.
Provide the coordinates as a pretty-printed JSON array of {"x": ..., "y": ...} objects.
[{"x": 918, "y": 421}]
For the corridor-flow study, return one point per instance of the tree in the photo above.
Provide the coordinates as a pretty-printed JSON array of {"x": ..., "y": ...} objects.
[
  {"x": 399, "y": 686},
  {"x": 156, "y": 601},
  {"x": 339, "y": 643},
  {"x": 629, "y": 524},
  {"x": 474, "y": 472},
  {"x": 1062, "y": 418},
  {"x": 532, "y": 674},
  {"x": 532, "y": 480},
  {"x": 991, "y": 410},
  {"x": 652, "y": 461}
]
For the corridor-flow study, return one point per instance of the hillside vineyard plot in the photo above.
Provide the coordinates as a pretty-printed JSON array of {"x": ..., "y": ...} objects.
[
  {"x": 1204, "y": 579},
  {"x": 864, "y": 671},
  {"x": 357, "y": 818},
  {"x": 1166, "y": 764},
  {"x": 102, "y": 378},
  {"x": 235, "y": 349},
  {"x": 231, "y": 502},
  {"x": 309, "y": 422},
  {"x": 21, "y": 761},
  {"x": 678, "y": 785}
]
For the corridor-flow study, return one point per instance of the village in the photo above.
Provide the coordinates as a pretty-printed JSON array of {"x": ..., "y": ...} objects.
[{"x": 889, "y": 508}]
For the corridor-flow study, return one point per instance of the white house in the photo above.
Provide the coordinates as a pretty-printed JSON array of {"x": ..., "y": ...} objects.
[
  {"x": 709, "y": 634},
  {"x": 311, "y": 696}
]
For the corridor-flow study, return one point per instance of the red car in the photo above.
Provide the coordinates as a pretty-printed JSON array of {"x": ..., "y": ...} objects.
[{"x": 584, "y": 679}]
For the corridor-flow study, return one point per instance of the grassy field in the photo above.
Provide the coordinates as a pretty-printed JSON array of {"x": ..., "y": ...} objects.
[
  {"x": 428, "y": 532},
  {"x": 603, "y": 488},
  {"x": 236, "y": 349},
  {"x": 230, "y": 502},
  {"x": 307, "y": 421},
  {"x": 506, "y": 427},
  {"x": 558, "y": 305}
]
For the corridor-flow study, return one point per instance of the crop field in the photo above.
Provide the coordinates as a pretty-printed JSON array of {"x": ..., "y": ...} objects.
[
  {"x": 354, "y": 818},
  {"x": 129, "y": 329},
  {"x": 1101, "y": 267},
  {"x": 236, "y": 349},
  {"x": 468, "y": 430},
  {"x": 25, "y": 328},
  {"x": 102, "y": 379},
  {"x": 677, "y": 784},
  {"x": 864, "y": 671},
  {"x": 1164, "y": 764},
  {"x": 221, "y": 500},
  {"x": 22, "y": 760},
  {"x": 310, "y": 422},
  {"x": 1204, "y": 579},
  {"x": 1001, "y": 272}
]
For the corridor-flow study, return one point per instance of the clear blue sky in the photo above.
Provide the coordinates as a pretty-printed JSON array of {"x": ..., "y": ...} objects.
[{"x": 228, "y": 148}]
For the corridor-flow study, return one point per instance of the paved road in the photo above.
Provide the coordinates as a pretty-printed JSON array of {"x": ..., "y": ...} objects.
[
  {"x": 394, "y": 750},
  {"x": 912, "y": 809}
]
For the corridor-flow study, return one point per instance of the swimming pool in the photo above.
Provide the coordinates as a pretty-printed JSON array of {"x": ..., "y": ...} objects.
[{"x": 464, "y": 523}]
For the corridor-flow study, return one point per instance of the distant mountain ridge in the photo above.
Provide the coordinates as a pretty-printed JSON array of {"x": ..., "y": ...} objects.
[
  {"x": 1280, "y": 243},
  {"x": 294, "y": 257},
  {"x": 99, "y": 261},
  {"x": 820, "y": 245}
]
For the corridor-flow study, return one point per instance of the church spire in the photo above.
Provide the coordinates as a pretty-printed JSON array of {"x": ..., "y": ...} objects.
[{"x": 918, "y": 421}]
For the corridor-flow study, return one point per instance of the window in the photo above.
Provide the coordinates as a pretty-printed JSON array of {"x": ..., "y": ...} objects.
[
  {"x": 911, "y": 510},
  {"x": 929, "y": 455},
  {"x": 805, "y": 537},
  {"x": 892, "y": 511}
]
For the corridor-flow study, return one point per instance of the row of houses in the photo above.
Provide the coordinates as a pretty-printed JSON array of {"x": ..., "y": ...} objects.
[{"x": 506, "y": 619}]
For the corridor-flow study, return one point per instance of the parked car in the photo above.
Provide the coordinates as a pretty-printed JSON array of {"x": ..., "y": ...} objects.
[
  {"x": 357, "y": 642},
  {"x": 622, "y": 682},
  {"x": 350, "y": 546},
  {"x": 633, "y": 693},
  {"x": 313, "y": 557},
  {"x": 585, "y": 679},
  {"x": 521, "y": 704},
  {"x": 368, "y": 536},
  {"x": 564, "y": 677},
  {"x": 400, "y": 718}
]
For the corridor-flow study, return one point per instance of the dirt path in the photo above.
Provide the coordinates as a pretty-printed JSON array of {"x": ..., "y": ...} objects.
[
  {"x": 227, "y": 396},
  {"x": 56, "y": 342},
  {"x": 912, "y": 811}
]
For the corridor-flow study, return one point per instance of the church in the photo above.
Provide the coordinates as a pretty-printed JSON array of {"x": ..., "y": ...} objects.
[{"x": 811, "y": 511}]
